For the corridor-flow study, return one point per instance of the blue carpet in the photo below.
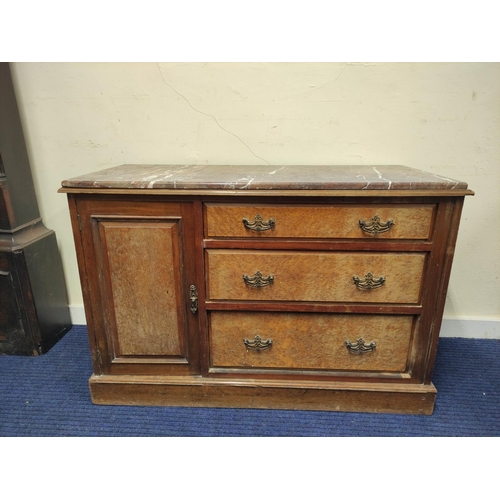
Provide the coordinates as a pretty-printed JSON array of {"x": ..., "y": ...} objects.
[{"x": 49, "y": 396}]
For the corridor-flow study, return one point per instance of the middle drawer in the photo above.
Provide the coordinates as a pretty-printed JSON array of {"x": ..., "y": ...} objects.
[{"x": 252, "y": 275}]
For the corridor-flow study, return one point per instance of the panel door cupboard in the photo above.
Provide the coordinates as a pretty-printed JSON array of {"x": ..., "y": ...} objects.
[
  {"x": 139, "y": 265},
  {"x": 319, "y": 295}
]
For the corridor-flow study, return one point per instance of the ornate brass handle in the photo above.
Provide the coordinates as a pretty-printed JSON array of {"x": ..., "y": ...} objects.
[
  {"x": 259, "y": 224},
  {"x": 359, "y": 347},
  {"x": 375, "y": 226},
  {"x": 368, "y": 282},
  {"x": 193, "y": 298},
  {"x": 257, "y": 344},
  {"x": 257, "y": 280}
]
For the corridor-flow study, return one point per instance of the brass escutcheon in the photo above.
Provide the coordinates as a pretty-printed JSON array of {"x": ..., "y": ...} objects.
[{"x": 193, "y": 298}]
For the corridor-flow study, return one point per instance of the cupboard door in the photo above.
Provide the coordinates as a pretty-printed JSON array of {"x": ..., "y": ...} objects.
[{"x": 140, "y": 264}]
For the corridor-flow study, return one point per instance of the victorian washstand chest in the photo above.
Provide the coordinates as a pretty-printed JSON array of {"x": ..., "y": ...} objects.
[{"x": 300, "y": 287}]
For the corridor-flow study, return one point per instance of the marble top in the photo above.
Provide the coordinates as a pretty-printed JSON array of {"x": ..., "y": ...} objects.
[{"x": 246, "y": 177}]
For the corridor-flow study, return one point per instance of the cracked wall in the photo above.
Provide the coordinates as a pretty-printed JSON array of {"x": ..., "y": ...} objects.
[{"x": 444, "y": 118}]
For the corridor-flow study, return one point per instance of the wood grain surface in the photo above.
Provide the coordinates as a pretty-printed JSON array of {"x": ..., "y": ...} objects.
[
  {"x": 280, "y": 394},
  {"x": 144, "y": 269},
  {"x": 167, "y": 227},
  {"x": 320, "y": 221},
  {"x": 309, "y": 341},
  {"x": 314, "y": 276}
]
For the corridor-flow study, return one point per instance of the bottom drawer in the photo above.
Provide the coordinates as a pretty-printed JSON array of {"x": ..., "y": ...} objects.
[{"x": 309, "y": 341}]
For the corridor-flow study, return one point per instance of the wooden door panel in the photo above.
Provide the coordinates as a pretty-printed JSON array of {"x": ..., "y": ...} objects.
[
  {"x": 139, "y": 265},
  {"x": 145, "y": 276}
]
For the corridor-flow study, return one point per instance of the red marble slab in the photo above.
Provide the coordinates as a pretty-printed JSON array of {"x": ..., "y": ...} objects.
[{"x": 260, "y": 177}]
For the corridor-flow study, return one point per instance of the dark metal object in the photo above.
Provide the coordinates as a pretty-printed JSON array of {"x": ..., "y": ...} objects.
[
  {"x": 257, "y": 280},
  {"x": 259, "y": 224},
  {"x": 375, "y": 226},
  {"x": 257, "y": 344},
  {"x": 368, "y": 282},
  {"x": 193, "y": 298},
  {"x": 359, "y": 347}
]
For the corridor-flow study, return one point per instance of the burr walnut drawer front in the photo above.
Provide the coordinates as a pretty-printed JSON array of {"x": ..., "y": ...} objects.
[
  {"x": 313, "y": 341},
  {"x": 395, "y": 221},
  {"x": 251, "y": 275}
]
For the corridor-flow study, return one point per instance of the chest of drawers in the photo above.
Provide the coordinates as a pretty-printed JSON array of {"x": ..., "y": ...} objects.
[{"x": 298, "y": 287}]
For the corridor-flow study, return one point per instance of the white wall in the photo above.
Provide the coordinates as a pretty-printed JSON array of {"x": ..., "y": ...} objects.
[{"x": 440, "y": 117}]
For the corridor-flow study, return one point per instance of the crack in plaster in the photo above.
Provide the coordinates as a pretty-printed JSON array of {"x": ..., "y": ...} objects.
[
  {"x": 324, "y": 85},
  {"x": 209, "y": 115}
]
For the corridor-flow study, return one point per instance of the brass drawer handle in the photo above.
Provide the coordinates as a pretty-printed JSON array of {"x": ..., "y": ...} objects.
[
  {"x": 359, "y": 347},
  {"x": 259, "y": 224},
  {"x": 368, "y": 282},
  {"x": 257, "y": 280},
  {"x": 375, "y": 226},
  {"x": 257, "y": 344}
]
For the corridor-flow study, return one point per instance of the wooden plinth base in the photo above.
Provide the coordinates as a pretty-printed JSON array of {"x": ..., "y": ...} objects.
[{"x": 238, "y": 393}]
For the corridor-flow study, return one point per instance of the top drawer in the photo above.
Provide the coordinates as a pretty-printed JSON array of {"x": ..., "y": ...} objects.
[{"x": 390, "y": 221}]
